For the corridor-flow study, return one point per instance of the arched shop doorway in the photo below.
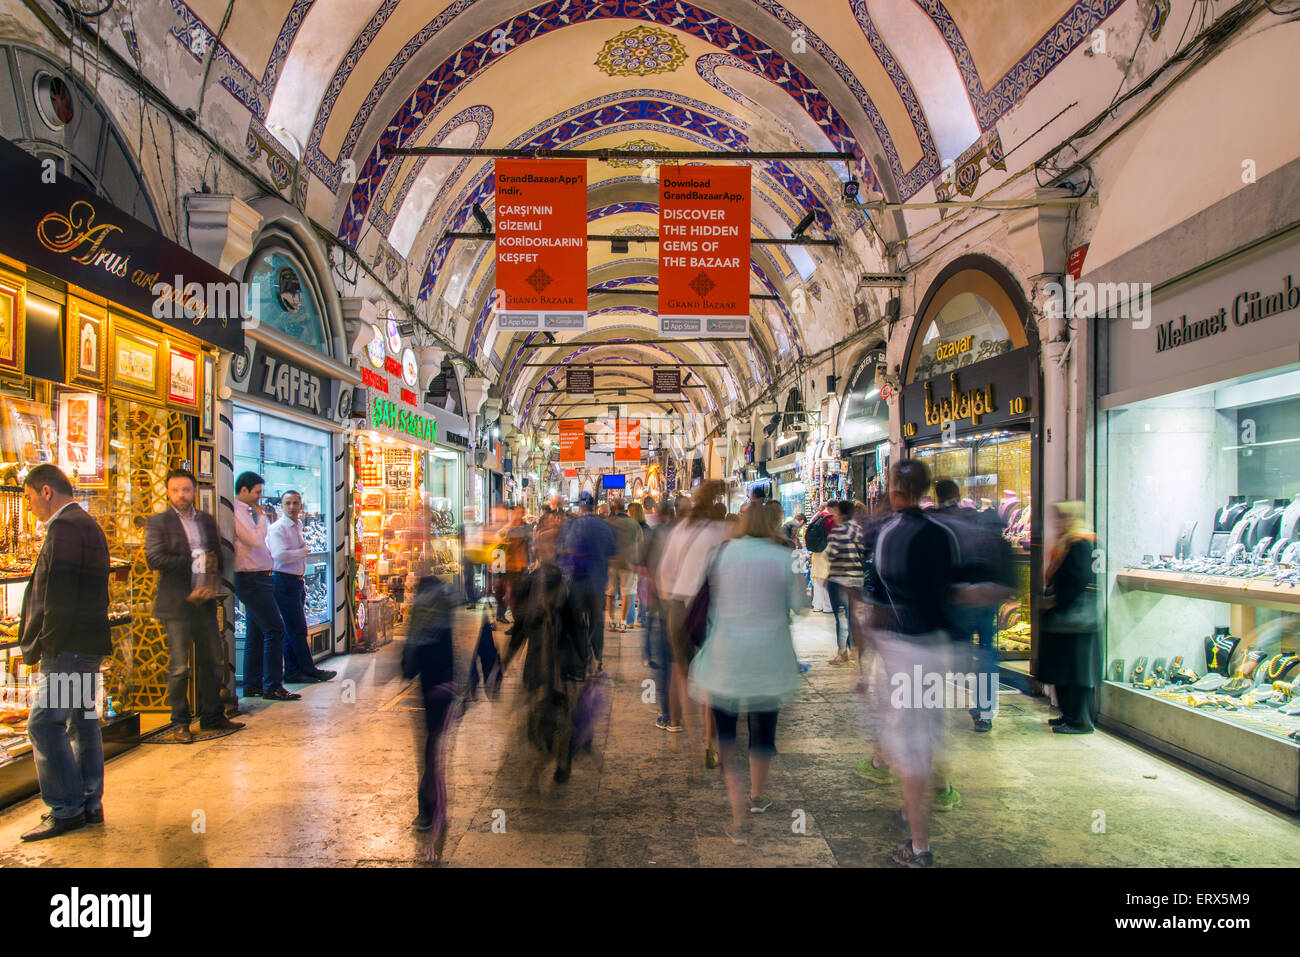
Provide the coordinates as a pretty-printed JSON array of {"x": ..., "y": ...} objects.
[
  {"x": 294, "y": 437},
  {"x": 969, "y": 410},
  {"x": 864, "y": 429}
]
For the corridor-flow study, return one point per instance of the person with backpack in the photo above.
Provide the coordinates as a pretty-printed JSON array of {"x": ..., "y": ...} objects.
[
  {"x": 985, "y": 564},
  {"x": 846, "y": 550}
]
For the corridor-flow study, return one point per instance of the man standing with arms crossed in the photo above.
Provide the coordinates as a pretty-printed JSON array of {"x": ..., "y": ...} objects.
[
  {"x": 184, "y": 546},
  {"x": 254, "y": 587},
  {"x": 289, "y": 556},
  {"x": 65, "y": 631}
]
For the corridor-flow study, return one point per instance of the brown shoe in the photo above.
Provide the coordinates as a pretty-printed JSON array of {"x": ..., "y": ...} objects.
[
  {"x": 221, "y": 724},
  {"x": 183, "y": 734}
]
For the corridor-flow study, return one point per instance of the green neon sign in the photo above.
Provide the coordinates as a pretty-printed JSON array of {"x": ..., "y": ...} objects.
[{"x": 385, "y": 414}]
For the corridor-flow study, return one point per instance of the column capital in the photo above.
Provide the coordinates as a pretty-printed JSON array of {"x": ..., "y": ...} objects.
[{"x": 221, "y": 228}]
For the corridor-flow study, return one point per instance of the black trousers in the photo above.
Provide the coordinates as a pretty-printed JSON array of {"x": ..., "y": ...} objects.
[
  {"x": 591, "y": 600},
  {"x": 1076, "y": 705}
]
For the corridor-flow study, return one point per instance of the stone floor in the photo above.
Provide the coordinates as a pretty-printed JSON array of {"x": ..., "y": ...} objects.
[{"x": 330, "y": 780}]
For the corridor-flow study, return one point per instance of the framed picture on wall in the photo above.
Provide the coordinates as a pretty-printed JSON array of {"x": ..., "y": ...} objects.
[
  {"x": 205, "y": 461},
  {"x": 207, "y": 500},
  {"x": 136, "y": 359},
  {"x": 182, "y": 377},
  {"x": 87, "y": 343},
  {"x": 26, "y": 431},
  {"x": 82, "y": 427},
  {"x": 208, "y": 417},
  {"x": 13, "y": 306}
]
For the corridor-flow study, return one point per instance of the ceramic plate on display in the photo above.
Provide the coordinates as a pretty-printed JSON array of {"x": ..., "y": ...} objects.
[
  {"x": 394, "y": 336},
  {"x": 410, "y": 369},
  {"x": 375, "y": 350}
]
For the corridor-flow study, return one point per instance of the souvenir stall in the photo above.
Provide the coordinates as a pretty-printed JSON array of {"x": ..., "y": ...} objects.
[
  {"x": 864, "y": 430},
  {"x": 115, "y": 386},
  {"x": 406, "y": 490},
  {"x": 969, "y": 411}
]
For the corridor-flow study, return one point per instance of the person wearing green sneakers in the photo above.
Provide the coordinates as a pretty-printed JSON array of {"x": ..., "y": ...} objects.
[{"x": 914, "y": 558}]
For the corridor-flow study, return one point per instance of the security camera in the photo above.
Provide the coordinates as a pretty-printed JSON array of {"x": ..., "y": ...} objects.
[{"x": 851, "y": 187}]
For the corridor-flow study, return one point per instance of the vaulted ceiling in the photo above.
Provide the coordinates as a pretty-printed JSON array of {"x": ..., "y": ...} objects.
[{"x": 904, "y": 85}]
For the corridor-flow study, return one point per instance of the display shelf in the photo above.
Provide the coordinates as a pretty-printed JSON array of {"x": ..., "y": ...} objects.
[{"x": 1240, "y": 591}]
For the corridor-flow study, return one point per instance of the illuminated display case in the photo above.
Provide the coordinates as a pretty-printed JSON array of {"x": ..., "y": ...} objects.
[
  {"x": 1201, "y": 522},
  {"x": 292, "y": 456},
  {"x": 993, "y": 471}
]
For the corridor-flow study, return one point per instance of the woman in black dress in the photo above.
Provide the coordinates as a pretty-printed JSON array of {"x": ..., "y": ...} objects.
[{"x": 1071, "y": 652}]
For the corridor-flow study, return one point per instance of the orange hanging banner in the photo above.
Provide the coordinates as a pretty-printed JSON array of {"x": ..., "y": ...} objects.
[
  {"x": 541, "y": 240},
  {"x": 627, "y": 441},
  {"x": 704, "y": 251},
  {"x": 573, "y": 441}
]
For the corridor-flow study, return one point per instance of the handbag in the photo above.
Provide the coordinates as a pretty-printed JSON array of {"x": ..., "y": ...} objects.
[
  {"x": 697, "y": 612},
  {"x": 1080, "y": 618}
]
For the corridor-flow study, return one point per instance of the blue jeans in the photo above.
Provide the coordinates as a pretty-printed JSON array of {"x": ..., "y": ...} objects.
[
  {"x": 839, "y": 595},
  {"x": 64, "y": 731},
  {"x": 291, "y": 600},
  {"x": 660, "y": 652},
  {"x": 195, "y": 628},
  {"x": 264, "y": 644},
  {"x": 979, "y": 624}
]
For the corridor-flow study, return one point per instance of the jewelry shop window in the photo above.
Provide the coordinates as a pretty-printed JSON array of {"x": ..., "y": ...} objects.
[{"x": 1202, "y": 530}]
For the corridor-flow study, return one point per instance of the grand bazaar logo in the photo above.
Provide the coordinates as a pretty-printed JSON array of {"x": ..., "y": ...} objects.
[{"x": 641, "y": 51}]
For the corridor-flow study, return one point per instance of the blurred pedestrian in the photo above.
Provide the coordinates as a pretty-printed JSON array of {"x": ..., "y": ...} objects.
[
  {"x": 913, "y": 568},
  {"x": 549, "y": 532},
  {"x": 1070, "y": 653},
  {"x": 587, "y": 547},
  {"x": 637, "y": 614},
  {"x": 622, "y": 579},
  {"x": 658, "y": 650},
  {"x": 681, "y": 573},
  {"x": 747, "y": 664},
  {"x": 551, "y": 622},
  {"x": 429, "y": 652},
  {"x": 845, "y": 549},
  {"x": 984, "y": 565},
  {"x": 515, "y": 538}
]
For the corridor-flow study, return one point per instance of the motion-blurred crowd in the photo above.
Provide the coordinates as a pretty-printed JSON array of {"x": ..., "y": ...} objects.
[{"x": 913, "y": 591}]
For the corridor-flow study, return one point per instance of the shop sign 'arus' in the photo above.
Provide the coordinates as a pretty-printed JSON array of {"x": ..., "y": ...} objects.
[{"x": 68, "y": 231}]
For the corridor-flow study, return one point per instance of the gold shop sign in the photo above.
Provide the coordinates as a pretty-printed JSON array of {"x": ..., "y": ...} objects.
[
  {"x": 971, "y": 404},
  {"x": 949, "y": 350}
]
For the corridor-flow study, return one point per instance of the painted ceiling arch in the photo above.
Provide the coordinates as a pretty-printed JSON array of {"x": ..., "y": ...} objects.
[{"x": 900, "y": 84}]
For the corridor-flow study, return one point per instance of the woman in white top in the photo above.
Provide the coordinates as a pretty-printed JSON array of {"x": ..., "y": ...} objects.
[
  {"x": 748, "y": 663},
  {"x": 682, "y": 567}
]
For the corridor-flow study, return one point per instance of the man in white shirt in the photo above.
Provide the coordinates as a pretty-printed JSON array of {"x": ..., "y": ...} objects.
[
  {"x": 255, "y": 588},
  {"x": 289, "y": 553}
]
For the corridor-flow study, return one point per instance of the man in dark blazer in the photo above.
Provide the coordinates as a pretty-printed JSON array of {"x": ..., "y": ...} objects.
[
  {"x": 184, "y": 546},
  {"x": 64, "y": 635}
]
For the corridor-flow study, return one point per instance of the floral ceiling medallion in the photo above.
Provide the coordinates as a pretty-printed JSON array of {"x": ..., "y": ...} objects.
[
  {"x": 642, "y": 146},
  {"x": 641, "y": 51},
  {"x": 637, "y": 229}
]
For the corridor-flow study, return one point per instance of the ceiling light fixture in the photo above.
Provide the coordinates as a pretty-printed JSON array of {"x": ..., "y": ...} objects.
[
  {"x": 484, "y": 224},
  {"x": 798, "y": 231}
]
